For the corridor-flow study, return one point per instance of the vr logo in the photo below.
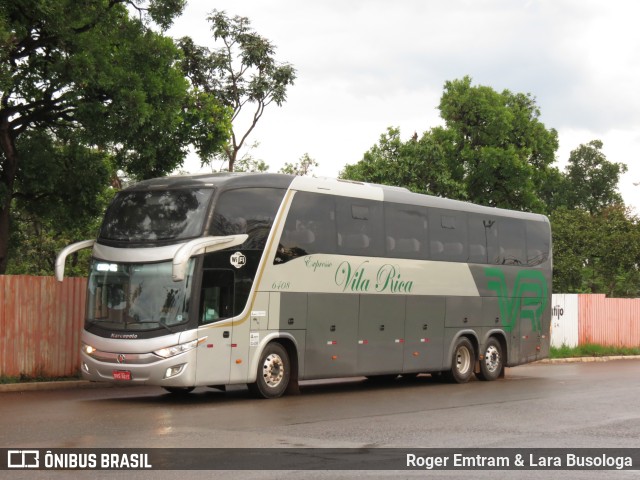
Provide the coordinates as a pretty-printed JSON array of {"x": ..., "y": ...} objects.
[
  {"x": 23, "y": 459},
  {"x": 527, "y": 300}
]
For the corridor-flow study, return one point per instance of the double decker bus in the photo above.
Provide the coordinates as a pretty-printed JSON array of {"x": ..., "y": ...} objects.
[{"x": 268, "y": 279}]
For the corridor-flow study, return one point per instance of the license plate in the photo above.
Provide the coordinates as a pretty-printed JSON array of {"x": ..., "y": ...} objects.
[{"x": 121, "y": 375}]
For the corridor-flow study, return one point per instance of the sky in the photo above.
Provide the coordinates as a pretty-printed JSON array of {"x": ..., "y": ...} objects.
[{"x": 366, "y": 65}]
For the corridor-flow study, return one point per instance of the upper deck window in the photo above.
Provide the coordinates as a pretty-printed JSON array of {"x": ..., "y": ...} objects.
[
  {"x": 156, "y": 215},
  {"x": 247, "y": 210}
]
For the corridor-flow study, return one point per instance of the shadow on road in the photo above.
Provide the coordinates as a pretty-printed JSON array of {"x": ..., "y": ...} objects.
[{"x": 240, "y": 393}]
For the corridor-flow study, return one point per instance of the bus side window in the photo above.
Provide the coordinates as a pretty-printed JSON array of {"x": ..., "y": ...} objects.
[
  {"x": 247, "y": 210},
  {"x": 407, "y": 233},
  {"x": 513, "y": 245},
  {"x": 309, "y": 229},
  {"x": 449, "y": 235},
  {"x": 360, "y": 227},
  {"x": 537, "y": 243},
  {"x": 216, "y": 295},
  {"x": 483, "y": 239}
]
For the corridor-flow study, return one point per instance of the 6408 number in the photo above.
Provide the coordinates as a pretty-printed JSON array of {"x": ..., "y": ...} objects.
[{"x": 281, "y": 285}]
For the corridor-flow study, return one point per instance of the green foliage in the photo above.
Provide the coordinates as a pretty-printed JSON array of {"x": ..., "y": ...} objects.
[
  {"x": 242, "y": 73},
  {"x": 36, "y": 241},
  {"x": 87, "y": 89},
  {"x": 591, "y": 350},
  {"x": 596, "y": 253},
  {"x": 617, "y": 253},
  {"x": 504, "y": 150},
  {"x": 596, "y": 239},
  {"x": 421, "y": 165},
  {"x": 49, "y": 183},
  {"x": 303, "y": 167},
  {"x": 572, "y": 249},
  {"x": 250, "y": 164},
  {"x": 591, "y": 180},
  {"x": 492, "y": 151},
  {"x": 206, "y": 122},
  {"x": 53, "y": 206}
]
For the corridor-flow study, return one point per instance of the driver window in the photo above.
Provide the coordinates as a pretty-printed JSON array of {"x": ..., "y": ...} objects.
[{"x": 216, "y": 296}]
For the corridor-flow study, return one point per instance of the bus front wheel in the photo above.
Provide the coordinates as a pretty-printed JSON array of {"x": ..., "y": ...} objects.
[
  {"x": 462, "y": 362},
  {"x": 274, "y": 372}
]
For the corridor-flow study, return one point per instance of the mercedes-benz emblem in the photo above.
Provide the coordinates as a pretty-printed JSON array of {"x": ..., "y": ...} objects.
[{"x": 121, "y": 358}]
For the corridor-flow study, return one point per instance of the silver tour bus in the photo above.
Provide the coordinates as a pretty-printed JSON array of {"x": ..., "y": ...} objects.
[{"x": 267, "y": 279}]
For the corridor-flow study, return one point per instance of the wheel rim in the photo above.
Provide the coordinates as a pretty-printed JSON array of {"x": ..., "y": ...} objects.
[
  {"x": 492, "y": 358},
  {"x": 463, "y": 360},
  {"x": 273, "y": 370}
]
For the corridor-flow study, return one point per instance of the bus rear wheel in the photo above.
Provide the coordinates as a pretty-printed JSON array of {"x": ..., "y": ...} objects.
[
  {"x": 274, "y": 372},
  {"x": 462, "y": 362},
  {"x": 491, "y": 364}
]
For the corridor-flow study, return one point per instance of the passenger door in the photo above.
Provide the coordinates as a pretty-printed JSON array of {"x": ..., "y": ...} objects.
[{"x": 216, "y": 305}]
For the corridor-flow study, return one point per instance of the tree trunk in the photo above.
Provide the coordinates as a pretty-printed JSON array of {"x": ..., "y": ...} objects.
[
  {"x": 7, "y": 179},
  {"x": 232, "y": 154}
]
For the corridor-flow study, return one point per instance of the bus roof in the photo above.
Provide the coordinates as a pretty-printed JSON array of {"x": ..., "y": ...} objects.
[
  {"x": 325, "y": 185},
  {"x": 224, "y": 179},
  {"x": 400, "y": 195}
]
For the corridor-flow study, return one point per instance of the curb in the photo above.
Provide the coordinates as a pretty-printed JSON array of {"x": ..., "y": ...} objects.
[
  {"x": 605, "y": 358},
  {"x": 61, "y": 385}
]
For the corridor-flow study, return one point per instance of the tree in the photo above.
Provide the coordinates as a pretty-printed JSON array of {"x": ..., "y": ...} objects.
[
  {"x": 573, "y": 250},
  {"x": 493, "y": 150},
  {"x": 242, "y": 73},
  {"x": 49, "y": 211},
  {"x": 596, "y": 253},
  {"x": 421, "y": 165},
  {"x": 303, "y": 167},
  {"x": 248, "y": 163},
  {"x": 616, "y": 261},
  {"x": 91, "y": 75},
  {"x": 505, "y": 153},
  {"x": 591, "y": 181}
]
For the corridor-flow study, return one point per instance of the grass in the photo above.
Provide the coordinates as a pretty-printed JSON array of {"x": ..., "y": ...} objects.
[{"x": 591, "y": 350}]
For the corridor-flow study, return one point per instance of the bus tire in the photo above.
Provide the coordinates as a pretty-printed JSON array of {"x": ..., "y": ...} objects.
[
  {"x": 274, "y": 372},
  {"x": 462, "y": 362},
  {"x": 491, "y": 364},
  {"x": 179, "y": 390}
]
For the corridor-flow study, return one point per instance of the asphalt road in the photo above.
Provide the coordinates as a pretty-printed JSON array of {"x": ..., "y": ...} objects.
[{"x": 566, "y": 406}]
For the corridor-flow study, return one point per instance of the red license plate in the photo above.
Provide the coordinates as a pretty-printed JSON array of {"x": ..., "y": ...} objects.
[{"x": 121, "y": 375}]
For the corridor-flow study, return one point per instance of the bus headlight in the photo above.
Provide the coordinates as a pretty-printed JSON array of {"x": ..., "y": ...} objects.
[
  {"x": 174, "y": 350},
  {"x": 88, "y": 349}
]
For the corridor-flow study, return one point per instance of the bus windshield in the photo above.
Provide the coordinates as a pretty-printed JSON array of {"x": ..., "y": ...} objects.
[
  {"x": 137, "y": 297},
  {"x": 156, "y": 215}
]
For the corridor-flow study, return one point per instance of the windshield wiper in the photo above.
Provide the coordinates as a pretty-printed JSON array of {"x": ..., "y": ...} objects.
[{"x": 99, "y": 320}]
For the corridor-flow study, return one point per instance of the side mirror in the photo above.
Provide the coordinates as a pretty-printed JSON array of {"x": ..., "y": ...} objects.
[
  {"x": 65, "y": 252},
  {"x": 201, "y": 245}
]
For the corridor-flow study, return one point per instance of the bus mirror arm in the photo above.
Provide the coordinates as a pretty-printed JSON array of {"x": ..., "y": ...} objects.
[
  {"x": 201, "y": 245},
  {"x": 65, "y": 252}
]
